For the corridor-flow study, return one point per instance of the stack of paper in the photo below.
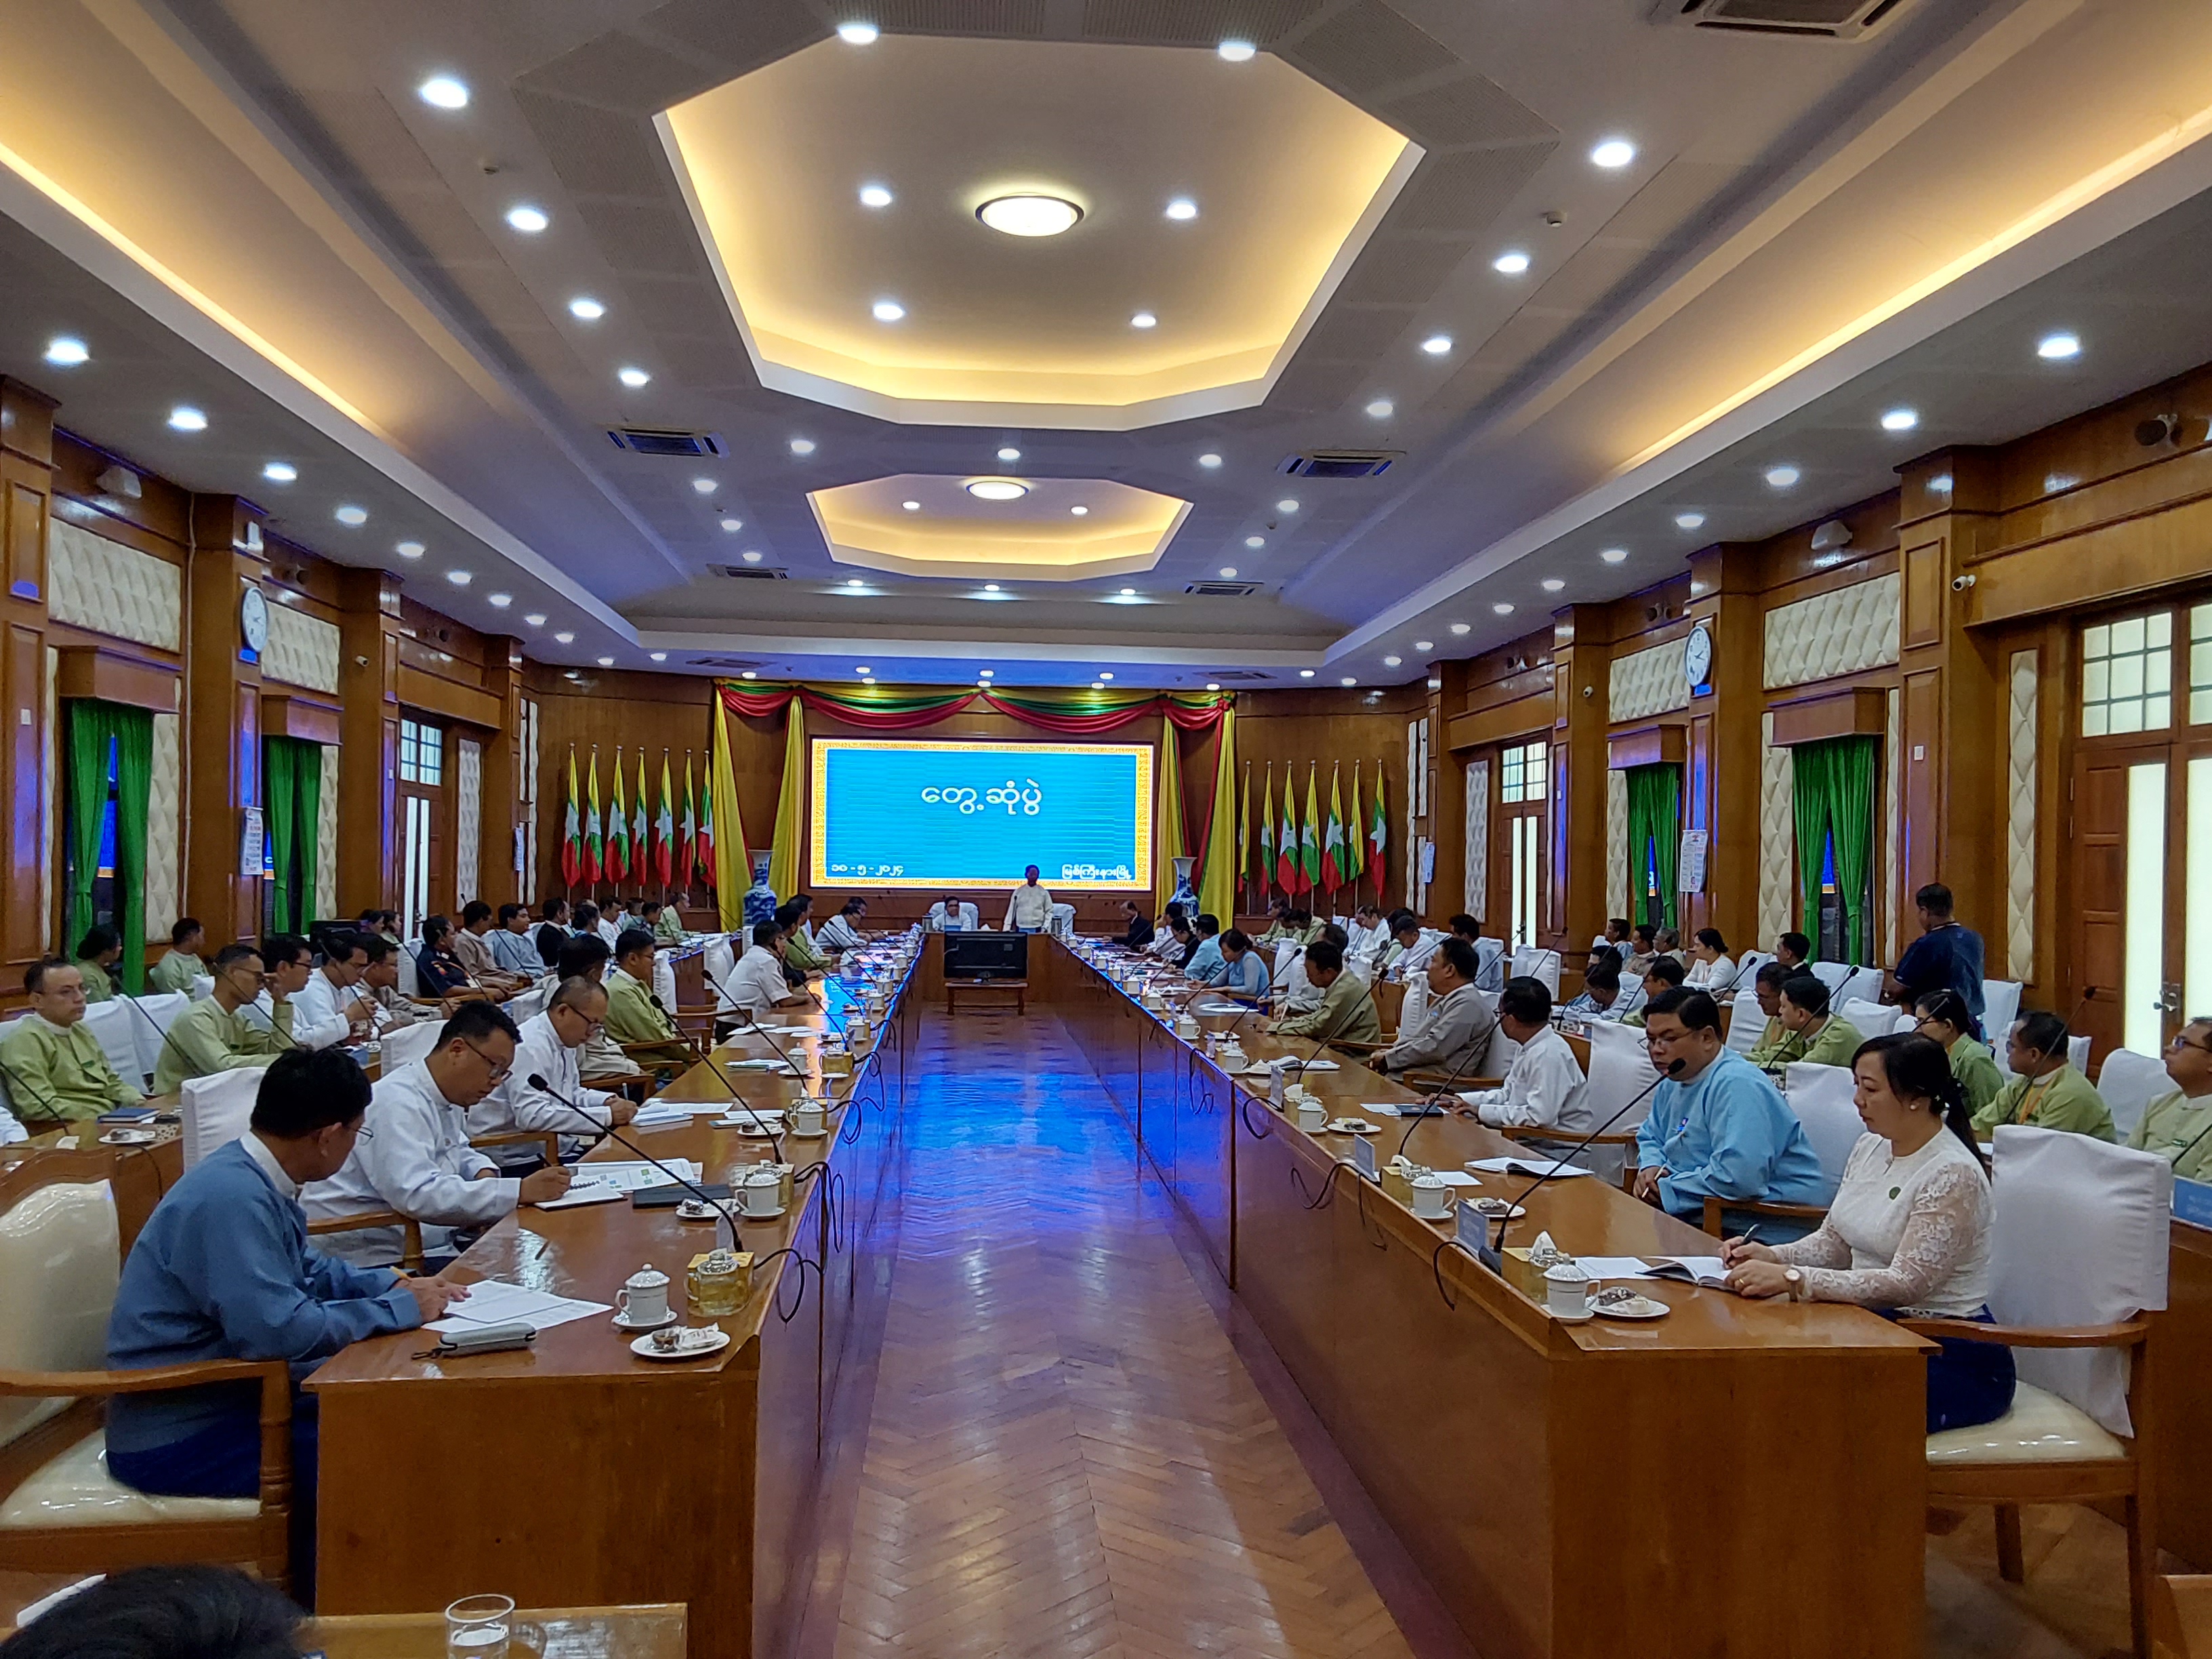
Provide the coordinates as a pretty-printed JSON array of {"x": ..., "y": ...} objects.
[
  {"x": 628, "y": 1176},
  {"x": 1528, "y": 1166},
  {"x": 493, "y": 1302}
]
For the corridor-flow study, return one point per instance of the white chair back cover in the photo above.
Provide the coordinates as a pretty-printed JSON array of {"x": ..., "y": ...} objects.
[
  {"x": 216, "y": 1109},
  {"x": 1599, "y": 944},
  {"x": 2077, "y": 1053},
  {"x": 1620, "y": 1065},
  {"x": 1413, "y": 1012},
  {"x": 1747, "y": 966},
  {"x": 59, "y": 1260},
  {"x": 1538, "y": 964},
  {"x": 2080, "y": 1238},
  {"x": 115, "y": 1026},
  {"x": 2129, "y": 1083},
  {"x": 1631, "y": 993},
  {"x": 528, "y": 1004},
  {"x": 2000, "y": 1007},
  {"x": 1822, "y": 1097},
  {"x": 1868, "y": 1018},
  {"x": 1490, "y": 963},
  {"x": 160, "y": 1009},
  {"x": 722, "y": 960},
  {"x": 1746, "y": 1022},
  {"x": 411, "y": 981},
  {"x": 203, "y": 987},
  {"x": 1833, "y": 974},
  {"x": 409, "y": 1043},
  {"x": 664, "y": 979},
  {"x": 1864, "y": 985}
]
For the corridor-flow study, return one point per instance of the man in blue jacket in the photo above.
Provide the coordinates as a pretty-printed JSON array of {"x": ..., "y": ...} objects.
[{"x": 222, "y": 1270}]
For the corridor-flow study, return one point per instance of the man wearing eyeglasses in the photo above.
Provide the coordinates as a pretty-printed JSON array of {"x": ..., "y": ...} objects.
[
  {"x": 550, "y": 1046},
  {"x": 414, "y": 1154},
  {"x": 2178, "y": 1126}
]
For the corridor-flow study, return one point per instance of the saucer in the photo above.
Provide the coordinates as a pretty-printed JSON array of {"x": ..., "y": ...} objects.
[
  {"x": 623, "y": 1323},
  {"x": 752, "y": 1131},
  {"x": 1638, "y": 1307},
  {"x": 699, "y": 1342},
  {"x": 1350, "y": 1126},
  {"x": 706, "y": 1213},
  {"x": 1482, "y": 1208},
  {"x": 808, "y": 1134},
  {"x": 129, "y": 1138},
  {"x": 766, "y": 1215},
  {"x": 1582, "y": 1318}
]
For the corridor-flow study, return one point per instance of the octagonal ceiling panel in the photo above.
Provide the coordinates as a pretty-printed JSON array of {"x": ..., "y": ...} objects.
[
  {"x": 1058, "y": 529},
  {"x": 1288, "y": 179}
]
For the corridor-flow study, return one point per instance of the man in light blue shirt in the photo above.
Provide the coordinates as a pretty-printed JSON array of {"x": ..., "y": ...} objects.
[
  {"x": 512, "y": 948},
  {"x": 1206, "y": 965},
  {"x": 1243, "y": 972},
  {"x": 1718, "y": 1128}
]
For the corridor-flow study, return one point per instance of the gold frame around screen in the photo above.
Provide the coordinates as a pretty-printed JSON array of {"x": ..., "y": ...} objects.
[{"x": 817, "y": 811}]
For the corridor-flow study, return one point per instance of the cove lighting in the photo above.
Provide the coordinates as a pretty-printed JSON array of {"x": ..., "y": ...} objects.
[
  {"x": 1613, "y": 152},
  {"x": 1781, "y": 476},
  {"x": 585, "y": 309},
  {"x": 444, "y": 91},
  {"x": 876, "y": 196},
  {"x": 408, "y": 550},
  {"x": 184, "y": 418},
  {"x": 1144, "y": 320},
  {"x": 887, "y": 311},
  {"x": 1029, "y": 216},
  {"x": 2054, "y": 348},
  {"x": 1437, "y": 344},
  {"x": 527, "y": 219},
  {"x": 996, "y": 490},
  {"x": 1182, "y": 209},
  {"x": 67, "y": 351},
  {"x": 1900, "y": 420},
  {"x": 1237, "y": 51},
  {"x": 632, "y": 377},
  {"x": 1614, "y": 555},
  {"x": 1381, "y": 408},
  {"x": 857, "y": 32},
  {"x": 1510, "y": 264},
  {"x": 280, "y": 472},
  {"x": 350, "y": 514}
]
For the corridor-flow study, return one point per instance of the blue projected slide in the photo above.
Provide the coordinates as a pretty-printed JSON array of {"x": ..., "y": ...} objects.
[{"x": 967, "y": 815}]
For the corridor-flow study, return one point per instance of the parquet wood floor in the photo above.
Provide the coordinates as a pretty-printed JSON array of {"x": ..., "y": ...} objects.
[{"x": 1065, "y": 1455}]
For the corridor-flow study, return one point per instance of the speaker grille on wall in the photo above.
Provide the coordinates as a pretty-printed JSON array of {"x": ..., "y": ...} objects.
[
  {"x": 1829, "y": 20},
  {"x": 653, "y": 441}
]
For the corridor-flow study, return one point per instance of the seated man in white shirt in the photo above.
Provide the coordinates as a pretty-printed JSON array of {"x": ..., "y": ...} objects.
[
  {"x": 841, "y": 932},
  {"x": 1171, "y": 937},
  {"x": 951, "y": 914},
  {"x": 380, "y": 984},
  {"x": 414, "y": 1154},
  {"x": 1545, "y": 1088},
  {"x": 757, "y": 984},
  {"x": 1028, "y": 906},
  {"x": 1366, "y": 939},
  {"x": 331, "y": 1008},
  {"x": 550, "y": 1046}
]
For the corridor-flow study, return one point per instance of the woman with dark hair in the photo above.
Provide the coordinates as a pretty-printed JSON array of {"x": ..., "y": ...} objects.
[
  {"x": 1908, "y": 1232},
  {"x": 1945, "y": 1019},
  {"x": 1712, "y": 971}
]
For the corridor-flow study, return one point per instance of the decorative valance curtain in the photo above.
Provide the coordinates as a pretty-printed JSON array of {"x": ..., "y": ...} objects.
[
  {"x": 1834, "y": 785},
  {"x": 1654, "y": 839},
  {"x": 97, "y": 733}
]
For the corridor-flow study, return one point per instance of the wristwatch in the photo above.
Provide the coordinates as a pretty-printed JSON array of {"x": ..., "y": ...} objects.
[{"x": 1795, "y": 1281}]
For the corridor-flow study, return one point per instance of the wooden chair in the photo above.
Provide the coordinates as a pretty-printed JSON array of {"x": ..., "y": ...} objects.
[
  {"x": 1714, "y": 1223},
  {"x": 2181, "y": 1618},
  {"x": 410, "y": 1231},
  {"x": 547, "y": 1142},
  {"x": 59, "y": 1264},
  {"x": 1389, "y": 1003}
]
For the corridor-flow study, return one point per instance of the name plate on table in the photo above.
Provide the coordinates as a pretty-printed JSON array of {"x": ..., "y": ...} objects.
[
  {"x": 1275, "y": 1088},
  {"x": 2192, "y": 1202},
  {"x": 1363, "y": 1158}
]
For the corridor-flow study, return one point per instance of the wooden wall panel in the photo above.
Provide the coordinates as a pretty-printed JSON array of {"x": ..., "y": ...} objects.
[
  {"x": 25, "y": 712},
  {"x": 1922, "y": 750}
]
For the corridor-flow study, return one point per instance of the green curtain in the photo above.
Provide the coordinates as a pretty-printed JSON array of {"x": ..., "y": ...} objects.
[
  {"x": 1851, "y": 816},
  {"x": 1655, "y": 836},
  {"x": 279, "y": 760},
  {"x": 307, "y": 823},
  {"x": 86, "y": 763},
  {"x": 1808, "y": 769},
  {"x": 134, "y": 783}
]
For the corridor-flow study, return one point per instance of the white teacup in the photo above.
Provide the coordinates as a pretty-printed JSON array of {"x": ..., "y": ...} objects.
[
  {"x": 1186, "y": 1025},
  {"x": 1432, "y": 1198},
  {"x": 643, "y": 1297},
  {"x": 763, "y": 1192},
  {"x": 808, "y": 1118},
  {"x": 1567, "y": 1289},
  {"x": 1311, "y": 1114}
]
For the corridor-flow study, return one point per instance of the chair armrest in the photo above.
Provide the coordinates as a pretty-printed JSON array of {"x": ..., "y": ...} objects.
[
  {"x": 547, "y": 1140},
  {"x": 1535, "y": 1132},
  {"x": 2125, "y": 1334},
  {"x": 1713, "y": 1222},
  {"x": 410, "y": 1245},
  {"x": 152, "y": 1380},
  {"x": 1421, "y": 1080}
]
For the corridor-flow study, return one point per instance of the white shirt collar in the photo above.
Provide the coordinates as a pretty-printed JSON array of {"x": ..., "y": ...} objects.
[
  {"x": 58, "y": 1030},
  {"x": 258, "y": 1149}
]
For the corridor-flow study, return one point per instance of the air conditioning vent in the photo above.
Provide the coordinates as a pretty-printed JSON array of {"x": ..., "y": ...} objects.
[
  {"x": 1225, "y": 676},
  {"x": 1341, "y": 463},
  {"x": 1823, "y": 20},
  {"x": 752, "y": 572},
  {"x": 733, "y": 664},
  {"x": 1223, "y": 590},
  {"x": 655, "y": 441}
]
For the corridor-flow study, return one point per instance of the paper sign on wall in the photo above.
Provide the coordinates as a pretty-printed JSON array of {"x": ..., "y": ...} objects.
[
  {"x": 1692, "y": 864},
  {"x": 249, "y": 844}
]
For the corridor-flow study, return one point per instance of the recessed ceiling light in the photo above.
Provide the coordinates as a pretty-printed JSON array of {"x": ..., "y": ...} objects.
[
  {"x": 990, "y": 587},
  {"x": 1689, "y": 520},
  {"x": 1437, "y": 344},
  {"x": 985, "y": 673},
  {"x": 747, "y": 674},
  {"x": 855, "y": 581},
  {"x": 1229, "y": 573},
  {"x": 527, "y": 219},
  {"x": 2056, "y": 347},
  {"x": 1511, "y": 263},
  {"x": 1347, "y": 680},
  {"x": 857, "y": 32},
  {"x": 1614, "y": 555},
  {"x": 184, "y": 418},
  {"x": 408, "y": 550},
  {"x": 536, "y": 619},
  {"x": 1781, "y": 476},
  {"x": 67, "y": 351},
  {"x": 1392, "y": 662},
  {"x": 1213, "y": 685},
  {"x": 1306, "y": 673},
  {"x": 501, "y": 601},
  {"x": 1144, "y": 320},
  {"x": 585, "y": 309},
  {"x": 632, "y": 377},
  {"x": 1286, "y": 506},
  {"x": 1381, "y": 408},
  {"x": 887, "y": 311},
  {"x": 658, "y": 656},
  {"x": 802, "y": 445},
  {"x": 1209, "y": 459},
  {"x": 1552, "y": 584},
  {"x": 1503, "y": 607},
  {"x": 1128, "y": 592},
  {"x": 1940, "y": 484},
  {"x": 444, "y": 91},
  {"x": 1256, "y": 541},
  {"x": 911, "y": 506},
  {"x": 1462, "y": 628},
  {"x": 864, "y": 669},
  {"x": 876, "y": 196},
  {"x": 1182, "y": 208},
  {"x": 751, "y": 556},
  {"x": 1237, "y": 51},
  {"x": 1104, "y": 675},
  {"x": 1079, "y": 511},
  {"x": 351, "y": 514},
  {"x": 1900, "y": 420},
  {"x": 280, "y": 472},
  {"x": 1029, "y": 216},
  {"x": 1010, "y": 453},
  {"x": 1614, "y": 153},
  {"x": 704, "y": 486},
  {"x": 733, "y": 526},
  {"x": 1424, "y": 644},
  {"x": 459, "y": 578},
  {"x": 606, "y": 662},
  {"x": 996, "y": 490}
]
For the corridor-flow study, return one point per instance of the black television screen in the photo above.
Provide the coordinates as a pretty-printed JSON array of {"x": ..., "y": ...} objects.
[{"x": 986, "y": 956}]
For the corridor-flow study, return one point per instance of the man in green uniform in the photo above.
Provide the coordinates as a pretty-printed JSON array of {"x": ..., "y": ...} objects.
[
  {"x": 212, "y": 1035},
  {"x": 55, "y": 1069},
  {"x": 2178, "y": 1126},
  {"x": 177, "y": 970},
  {"x": 2046, "y": 1090},
  {"x": 636, "y": 1018},
  {"x": 1347, "y": 1007}
]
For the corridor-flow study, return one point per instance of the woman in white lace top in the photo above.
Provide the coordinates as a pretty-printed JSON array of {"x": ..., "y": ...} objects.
[{"x": 1908, "y": 1232}]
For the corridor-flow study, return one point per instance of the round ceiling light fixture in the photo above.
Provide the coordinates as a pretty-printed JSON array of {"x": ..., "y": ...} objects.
[
  {"x": 996, "y": 490},
  {"x": 1613, "y": 152},
  {"x": 1237, "y": 51},
  {"x": 1182, "y": 209},
  {"x": 876, "y": 196},
  {"x": 1030, "y": 214},
  {"x": 1511, "y": 263},
  {"x": 887, "y": 311},
  {"x": 1144, "y": 320},
  {"x": 857, "y": 32},
  {"x": 444, "y": 91},
  {"x": 2056, "y": 348}
]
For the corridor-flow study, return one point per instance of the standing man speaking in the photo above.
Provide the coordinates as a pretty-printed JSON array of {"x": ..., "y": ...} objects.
[{"x": 1028, "y": 906}]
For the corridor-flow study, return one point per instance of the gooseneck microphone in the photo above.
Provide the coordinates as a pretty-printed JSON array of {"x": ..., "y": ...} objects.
[
  {"x": 1366, "y": 995},
  {"x": 608, "y": 1132},
  {"x": 1433, "y": 1106},
  {"x": 1673, "y": 1067}
]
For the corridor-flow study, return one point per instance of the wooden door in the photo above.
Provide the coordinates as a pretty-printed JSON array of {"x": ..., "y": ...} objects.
[{"x": 2129, "y": 828}]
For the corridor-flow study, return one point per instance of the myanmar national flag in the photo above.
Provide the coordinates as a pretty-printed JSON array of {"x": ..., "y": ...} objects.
[
  {"x": 1332, "y": 846},
  {"x": 614, "y": 864},
  {"x": 640, "y": 844},
  {"x": 572, "y": 831},
  {"x": 702, "y": 844},
  {"x": 1310, "y": 838},
  {"x": 1244, "y": 830},
  {"x": 1355, "y": 838},
  {"x": 592, "y": 846},
  {"x": 664, "y": 829},
  {"x": 1286, "y": 839},
  {"x": 1378, "y": 835},
  {"x": 687, "y": 832},
  {"x": 1267, "y": 830}
]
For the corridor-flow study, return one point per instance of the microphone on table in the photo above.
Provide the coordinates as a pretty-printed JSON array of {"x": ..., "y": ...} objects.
[
  {"x": 1433, "y": 1106},
  {"x": 608, "y": 1132},
  {"x": 1583, "y": 1145},
  {"x": 775, "y": 1141}
]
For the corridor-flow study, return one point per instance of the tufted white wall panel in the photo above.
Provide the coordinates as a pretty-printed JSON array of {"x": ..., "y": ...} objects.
[
  {"x": 164, "y": 830},
  {"x": 108, "y": 588},
  {"x": 468, "y": 819},
  {"x": 1616, "y": 844},
  {"x": 326, "y": 835},
  {"x": 1893, "y": 840},
  {"x": 1830, "y": 633},
  {"x": 2023, "y": 689},
  {"x": 527, "y": 754},
  {"x": 1777, "y": 837},
  {"x": 1648, "y": 682},
  {"x": 1477, "y": 884},
  {"x": 303, "y": 650}
]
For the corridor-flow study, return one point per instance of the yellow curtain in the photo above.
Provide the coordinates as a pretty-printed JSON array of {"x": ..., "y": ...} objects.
[
  {"x": 1170, "y": 841},
  {"x": 790, "y": 805},
  {"x": 1217, "y": 891},
  {"x": 733, "y": 874}
]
